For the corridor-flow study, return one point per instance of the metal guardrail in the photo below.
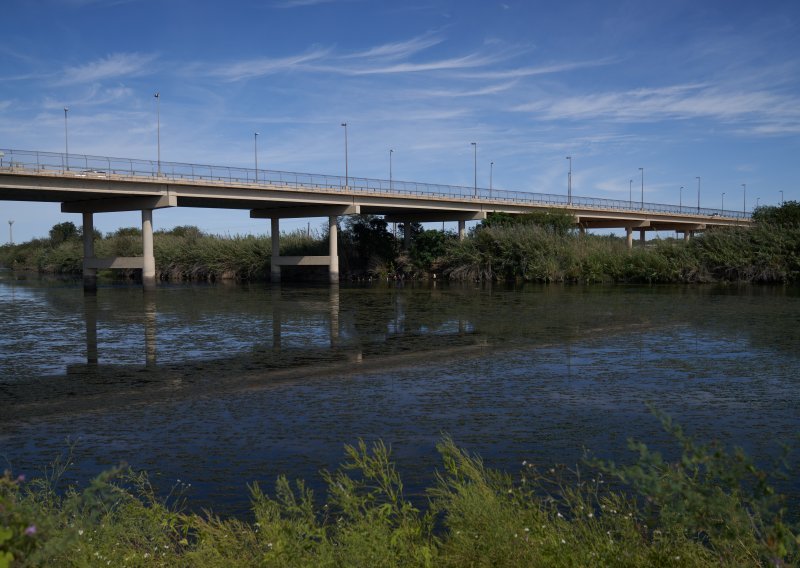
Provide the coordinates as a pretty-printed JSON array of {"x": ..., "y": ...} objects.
[{"x": 81, "y": 165}]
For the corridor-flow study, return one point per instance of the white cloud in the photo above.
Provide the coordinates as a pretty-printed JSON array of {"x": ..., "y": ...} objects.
[
  {"x": 775, "y": 112},
  {"x": 468, "y": 61},
  {"x": 260, "y": 67},
  {"x": 398, "y": 49},
  {"x": 113, "y": 66}
]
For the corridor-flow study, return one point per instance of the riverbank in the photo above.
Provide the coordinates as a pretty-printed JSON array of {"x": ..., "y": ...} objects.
[
  {"x": 533, "y": 248},
  {"x": 709, "y": 507}
]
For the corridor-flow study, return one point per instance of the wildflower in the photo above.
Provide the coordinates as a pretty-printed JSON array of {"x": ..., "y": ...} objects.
[
  {"x": 80, "y": 532},
  {"x": 591, "y": 515},
  {"x": 524, "y": 462},
  {"x": 527, "y": 529},
  {"x": 31, "y": 530},
  {"x": 563, "y": 541},
  {"x": 560, "y": 516}
]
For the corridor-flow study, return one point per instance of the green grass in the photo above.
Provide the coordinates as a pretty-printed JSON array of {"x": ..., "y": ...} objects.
[{"x": 709, "y": 507}]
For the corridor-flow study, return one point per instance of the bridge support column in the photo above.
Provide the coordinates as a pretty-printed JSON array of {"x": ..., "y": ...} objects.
[
  {"x": 462, "y": 229},
  {"x": 149, "y": 267},
  {"x": 275, "y": 269},
  {"x": 582, "y": 230},
  {"x": 642, "y": 234},
  {"x": 333, "y": 249},
  {"x": 89, "y": 274},
  {"x": 629, "y": 237},
  {"x": 687, "y": 234}
]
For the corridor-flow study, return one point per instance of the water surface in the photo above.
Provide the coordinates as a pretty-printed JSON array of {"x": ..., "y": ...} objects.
[{"x": 219, "y": 386}]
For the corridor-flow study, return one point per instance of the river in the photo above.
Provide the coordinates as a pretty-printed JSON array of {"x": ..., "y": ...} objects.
[{"x": 221, "y": 385}]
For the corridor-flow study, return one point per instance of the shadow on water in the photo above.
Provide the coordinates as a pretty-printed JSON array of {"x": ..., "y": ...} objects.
[{"x": 224, "y": 385}]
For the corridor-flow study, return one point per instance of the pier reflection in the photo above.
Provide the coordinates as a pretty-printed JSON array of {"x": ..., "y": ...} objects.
[{"x": 143, "y": 346}]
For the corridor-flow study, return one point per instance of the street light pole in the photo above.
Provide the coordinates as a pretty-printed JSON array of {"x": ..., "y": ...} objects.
[
  {"x": 569, "y": 181},
  {"x": 642, "y": 170},
  {"x": 255, "y": 152},
  {"x": 630, "y": 194},
  {"x": 744, "y": 199},
  {"x": 390, "y": 167},
  {"x": 66, "y": 138},
  {"x": 723, "y": 203},
  {"x": 781, "y": 197},
  {"x": 491, "y": 172},
  {"x": 346, "y": 165},
  {"x": 158, "y": 129},
  {"x": 698, "y": 195},
  {"x": 475, "y": 161},
  {"x": 758, "y": 199},
  {"x": 680, "y": 199},
  {"x": 10, "y": 233}
]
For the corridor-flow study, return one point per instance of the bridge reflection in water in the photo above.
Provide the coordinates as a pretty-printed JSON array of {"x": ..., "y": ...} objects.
[{"x": 293, "y": 353}]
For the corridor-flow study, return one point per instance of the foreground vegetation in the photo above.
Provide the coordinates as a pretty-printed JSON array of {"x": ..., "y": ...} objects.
[
  {"x": 709, "y": 507},
  {"x": 542, "y": 247}
]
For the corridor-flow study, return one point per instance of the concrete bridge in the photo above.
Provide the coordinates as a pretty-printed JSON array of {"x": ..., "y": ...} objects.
[{"x": 94, "y": 184}]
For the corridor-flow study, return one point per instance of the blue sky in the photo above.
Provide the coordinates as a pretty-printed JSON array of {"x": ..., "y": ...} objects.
[{"x": 682, "y": 88}]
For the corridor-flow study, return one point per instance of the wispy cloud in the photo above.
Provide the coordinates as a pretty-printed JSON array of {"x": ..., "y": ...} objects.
[
  {"x": 302, "y": 3},
  {"x": 112, "y": 66},
  {"x": 398, "y": 50},
  {"x": 521, "y": 72},
  {"x": 260, "y": 67},
  {"x": 465, "y": 92},
  {"x": 472, "y": 60},
  {"x": 674, "y": 102}
]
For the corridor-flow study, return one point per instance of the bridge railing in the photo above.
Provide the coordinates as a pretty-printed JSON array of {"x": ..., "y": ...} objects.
[{"x": 80, "y": 165}]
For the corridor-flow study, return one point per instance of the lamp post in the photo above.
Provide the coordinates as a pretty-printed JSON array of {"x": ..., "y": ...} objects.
[
  {"x": 390, "y": 168},
  {"x": 744, "y": 199},
  {"x": 642, "y": 170},
  {"x": 158, "y": 129},
  {"x": 10, "y": 233},
  {"x": 569, "y": 181},
  {"x": 757, "y": 200},
  {"x": 255, "y": 152},
  {"x": 346, "y": 165},
  {"x": 475, "y": 162},
  {"x": 630, "y": 194},
  {"x": 781, "y": 197},
  {"x": 66, "y": 138},
  {"x": 680, "y": 199},
  {"x": 698, "y": 195},
  {"x": 491, "y": 172},
  {"x": 723, "y": 203}
]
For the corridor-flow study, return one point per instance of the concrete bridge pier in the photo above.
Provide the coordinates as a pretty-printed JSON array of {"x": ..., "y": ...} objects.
[
  {"x": 332, "y": 212},
  {"x": 629, "y": 237},
  {"x": 333, "y": 249},
  {"x": 146, "y": 262},
  {"x": 148, "y": 256},
  {"x": 89, "y": 274},
  {"x": 642, "y": 236},
  {"x": 275, "y": 237},
  {"x": 462, "y": 229}
]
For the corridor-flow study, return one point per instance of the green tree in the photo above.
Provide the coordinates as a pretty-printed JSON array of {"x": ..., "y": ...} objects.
[
  {"x": 786, "y": 214},
  {"x": 63, "y": 232}
]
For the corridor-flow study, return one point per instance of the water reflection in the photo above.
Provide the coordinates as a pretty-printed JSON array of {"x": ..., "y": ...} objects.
[{"x": 227, "y": 385}]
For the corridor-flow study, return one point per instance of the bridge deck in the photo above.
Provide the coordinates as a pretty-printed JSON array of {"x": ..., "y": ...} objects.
[{"x": 120, "y": 184}]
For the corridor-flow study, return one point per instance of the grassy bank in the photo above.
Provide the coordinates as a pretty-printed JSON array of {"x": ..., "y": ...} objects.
[
  {"x": 764, "y": 253},
  {"x": 543, "y": 247},
  {"x": 708, "y": 508}
]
